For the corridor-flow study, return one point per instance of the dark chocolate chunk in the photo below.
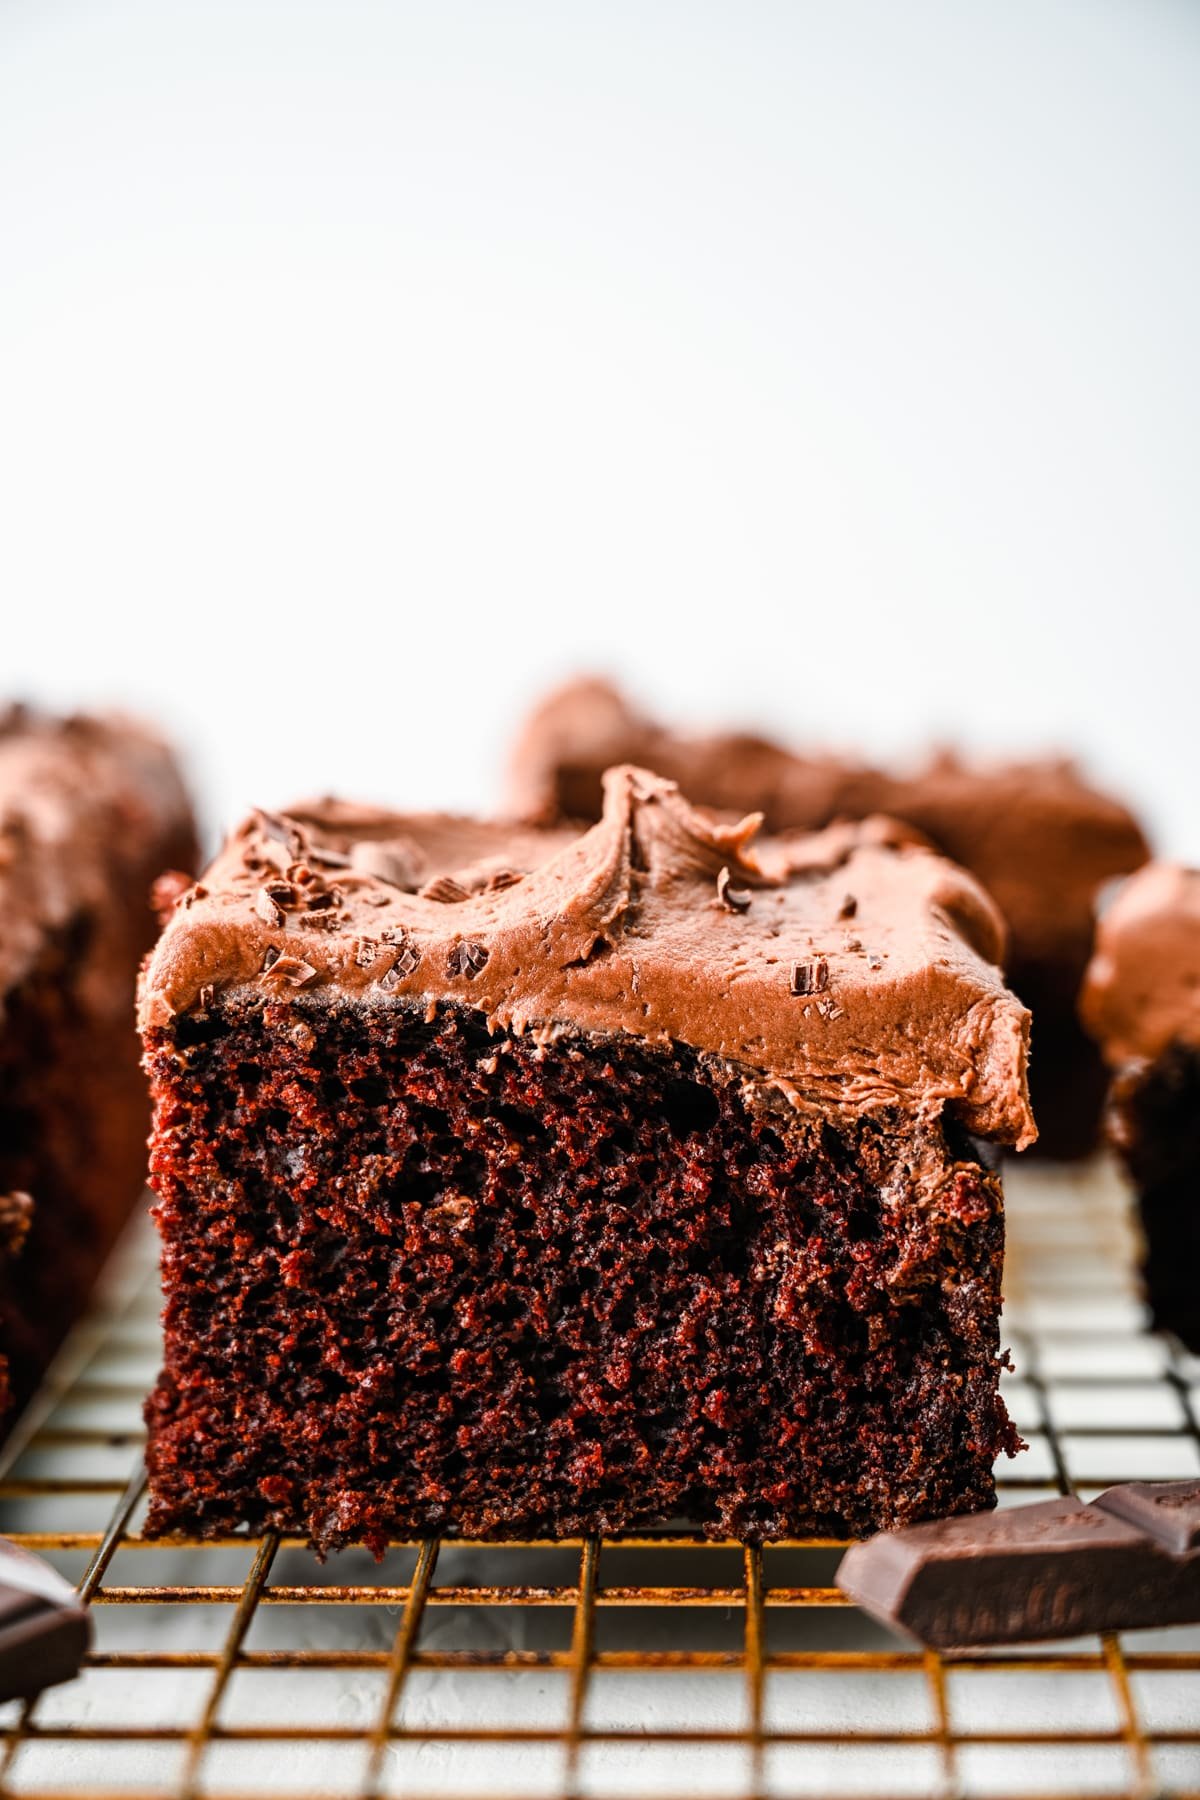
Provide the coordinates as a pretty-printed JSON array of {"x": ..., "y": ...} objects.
[
  {"x": 44, "y": 1631},
  {"x": 1053, "y": 1570}
]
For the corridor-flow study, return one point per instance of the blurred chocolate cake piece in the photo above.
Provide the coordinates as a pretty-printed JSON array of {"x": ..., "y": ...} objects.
[
  {"x": 91, "y": 811},
  {"x": 523, "y": 1182},
  {"x": 1039, "y": 838},
  {"x": 1141, "y": 1002}
]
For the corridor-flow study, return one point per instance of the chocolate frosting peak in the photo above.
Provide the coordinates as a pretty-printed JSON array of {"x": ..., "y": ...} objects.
[
  {"x": 1142, "y": 991},
  {"x": 852, "y": 967},
  {"x": 1038, "y": 836}
]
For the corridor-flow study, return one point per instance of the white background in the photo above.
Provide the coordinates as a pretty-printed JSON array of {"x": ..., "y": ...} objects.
[{"x": 834, "y": 367}]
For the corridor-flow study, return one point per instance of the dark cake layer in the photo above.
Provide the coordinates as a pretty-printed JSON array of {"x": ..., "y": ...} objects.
[
  {"x": 423, "y": 1276},
  {"x": 1154, "y": 1123},
  {"x": 72, "y": 1114}
]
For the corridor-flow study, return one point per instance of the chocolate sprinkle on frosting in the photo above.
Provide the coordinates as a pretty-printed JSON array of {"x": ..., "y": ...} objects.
[
  {"x": 810, "y": 977},
  {"x": 733, "y": 899},
  {"x": 467, "y": 959},
  {"x": 293, "y": 970},
  {"x": 396, "y": 864},
  {"x": 445, "y": 890},
  {"x": 268, "y": 910}
]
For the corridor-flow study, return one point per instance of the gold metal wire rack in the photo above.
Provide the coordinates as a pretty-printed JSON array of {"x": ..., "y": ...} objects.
[{"x": 650, "y": 1665}]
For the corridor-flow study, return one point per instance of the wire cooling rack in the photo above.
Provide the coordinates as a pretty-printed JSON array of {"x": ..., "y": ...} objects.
[{"x": 648, "y": 1665}]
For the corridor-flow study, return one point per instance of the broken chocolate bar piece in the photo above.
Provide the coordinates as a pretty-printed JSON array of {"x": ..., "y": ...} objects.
[
  {"x": 1127, "y": 1562},
  {"x": 44, "y": 1629},
  {"x": 1168, "y": 1511}
]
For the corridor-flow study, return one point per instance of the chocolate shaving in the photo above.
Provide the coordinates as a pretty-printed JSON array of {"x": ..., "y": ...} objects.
[
  {"x": 321, "y": 902},
  {"x": 282, "y": 893},
  {"x": 848, "y": 907},
  {"x": 326, "y": 857},
  {"x": 207, "y": 995},
  {"x": 810, "y": 977},
  {"x": 366, "y": 952},
  {"x": 270, "y": 959},
  {"x": 503, "y": 878},
  {"x": 733, "y": 899},
  {"x": 445, "y": 889},
  {"x": 403, "y": 967},
  {"x": 292, "y": 971},
  {"x": 283, "y": 831},
  {"x": 394, "y": 864},
  {"x": 467, "y": 959},
  {"x": 874, "y": 960},
  {"x": 267, "y": 909}
]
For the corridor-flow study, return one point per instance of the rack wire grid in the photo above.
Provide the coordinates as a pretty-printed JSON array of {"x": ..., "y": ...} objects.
[{"x": 647, "y": 1665}]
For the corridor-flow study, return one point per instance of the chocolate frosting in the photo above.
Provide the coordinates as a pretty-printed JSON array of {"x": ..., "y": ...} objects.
[
  {"x": 80, "y": 800},
  {"x": 1142, "y": 990},
  {"x": 853, "y": 968},
  {"x": 1040, "y": 838}
]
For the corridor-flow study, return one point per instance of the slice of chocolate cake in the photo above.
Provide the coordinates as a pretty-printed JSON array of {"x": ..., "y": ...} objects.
[
  {"x": 91, "y": 812},
  {"x": 1141, "y": 1002},
  {"x": 533, "y": 1182},
  {"x": 1039, "y": 838}
]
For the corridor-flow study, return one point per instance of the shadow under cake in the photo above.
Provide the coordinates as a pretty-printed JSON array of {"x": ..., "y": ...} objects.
[
  {"x": 92, "y": 810},
  {"x": 1141, "y": 1002},
  {"x": 1039, "y": 838},
  {"x": 525, "y": 1182}
]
